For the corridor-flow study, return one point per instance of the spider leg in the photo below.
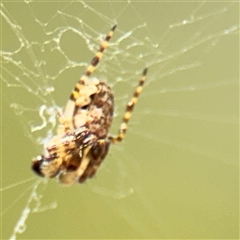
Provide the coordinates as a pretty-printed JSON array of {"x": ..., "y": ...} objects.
[
  {"x": 82, "y": 81},
  {"x": 66, "y": 119},
  {"x": 129, "y": 110}
]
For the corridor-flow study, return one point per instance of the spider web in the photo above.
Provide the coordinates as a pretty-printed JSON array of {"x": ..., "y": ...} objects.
[{"x": 176, "y": 173}]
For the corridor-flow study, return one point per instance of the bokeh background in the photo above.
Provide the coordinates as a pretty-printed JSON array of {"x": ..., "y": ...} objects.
[{"x": 176, "y": 174}]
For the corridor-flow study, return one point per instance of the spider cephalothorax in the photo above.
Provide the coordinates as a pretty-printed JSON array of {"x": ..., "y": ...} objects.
[{"x": 82, "y": 141}]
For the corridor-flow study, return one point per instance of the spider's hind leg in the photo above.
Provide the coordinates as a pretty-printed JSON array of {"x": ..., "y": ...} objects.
[{"x": 129, "y": 110}]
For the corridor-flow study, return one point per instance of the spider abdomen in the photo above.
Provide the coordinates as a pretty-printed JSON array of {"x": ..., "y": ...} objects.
[{"x": 100, "y": 111}]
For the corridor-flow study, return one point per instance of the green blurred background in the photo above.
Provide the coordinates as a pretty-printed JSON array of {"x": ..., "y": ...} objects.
[{"x": 175, "y": 175}]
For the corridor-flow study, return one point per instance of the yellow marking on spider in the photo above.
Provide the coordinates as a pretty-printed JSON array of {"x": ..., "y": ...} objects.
[
  {"x": 99, "y": 55},
  {"x": 79, "y": 86},
  {"x": 127, "y": 115},
  {"x": 123, "y": 126},
  {"x": 104, "y": 45},
  {"x": 133, "y": 101},
  {"x": 90, "y": 69},
  {"x": 75, "y": 95}
]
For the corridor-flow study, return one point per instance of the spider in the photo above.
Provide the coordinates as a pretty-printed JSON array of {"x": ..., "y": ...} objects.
[{"x": 82, "y": 140}]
